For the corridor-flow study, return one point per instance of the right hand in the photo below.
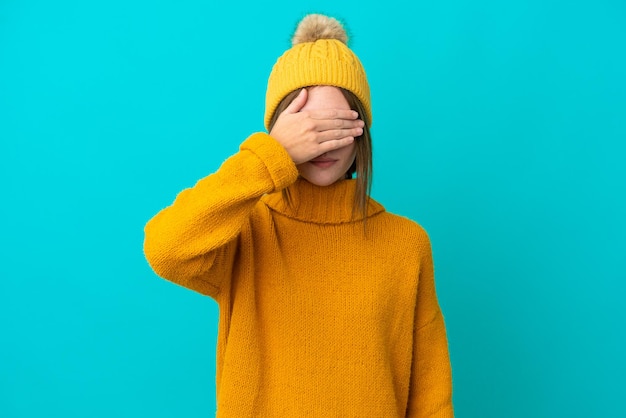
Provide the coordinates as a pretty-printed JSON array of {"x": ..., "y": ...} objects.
[{"x": 310, "y": 133}]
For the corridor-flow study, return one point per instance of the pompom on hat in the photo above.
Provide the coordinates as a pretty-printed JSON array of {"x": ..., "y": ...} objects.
[{"x": 319, "y": 56}]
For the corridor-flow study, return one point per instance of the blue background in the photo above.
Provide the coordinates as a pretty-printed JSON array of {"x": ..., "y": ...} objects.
[{"x": 499, "y": 126}]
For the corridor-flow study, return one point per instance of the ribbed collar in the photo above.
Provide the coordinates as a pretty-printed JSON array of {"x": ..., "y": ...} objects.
[{"x": 321, "y": 204}]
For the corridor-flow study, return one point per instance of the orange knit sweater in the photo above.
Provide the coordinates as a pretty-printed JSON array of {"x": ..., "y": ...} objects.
[{"x": 317, "y": 317}]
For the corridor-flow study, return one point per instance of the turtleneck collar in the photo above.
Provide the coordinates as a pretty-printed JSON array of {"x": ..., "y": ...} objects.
[{"x": 320, "y": 204}]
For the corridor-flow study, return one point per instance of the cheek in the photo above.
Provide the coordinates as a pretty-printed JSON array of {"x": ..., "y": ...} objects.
[
  {"x": 347, "y": 152},
  {"x": 351, "y": 153}
]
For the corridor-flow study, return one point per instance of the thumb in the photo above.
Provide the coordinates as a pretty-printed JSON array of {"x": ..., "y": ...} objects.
[{"x": 297, "y": 103}]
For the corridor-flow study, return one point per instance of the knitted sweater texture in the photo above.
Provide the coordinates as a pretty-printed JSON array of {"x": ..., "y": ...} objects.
[{"x": 318, "y": 317}]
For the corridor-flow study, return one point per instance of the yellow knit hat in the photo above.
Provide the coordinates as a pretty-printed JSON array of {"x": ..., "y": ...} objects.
[{"x": 319, "y": 56}]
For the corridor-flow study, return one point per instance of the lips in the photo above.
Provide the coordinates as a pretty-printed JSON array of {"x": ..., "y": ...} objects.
[{"x": 323, "y": 162}]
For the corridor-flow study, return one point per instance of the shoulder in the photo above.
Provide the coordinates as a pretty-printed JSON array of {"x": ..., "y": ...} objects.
[
  {"x": 401, "y": 240},
  {"x": 401, "y": 230}
]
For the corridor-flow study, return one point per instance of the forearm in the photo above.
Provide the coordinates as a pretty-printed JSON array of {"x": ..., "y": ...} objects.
[
  {"x": 182, "y": 240},
  {"x": 431, "y": 383},
  {"x": 431, "y": 376}
]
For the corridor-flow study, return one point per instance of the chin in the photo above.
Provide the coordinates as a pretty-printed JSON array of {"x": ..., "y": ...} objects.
[
  {"x": 321, "y": 183},
  {"x": 325, "y": 176},
  {"x": 321, "y": 180}
]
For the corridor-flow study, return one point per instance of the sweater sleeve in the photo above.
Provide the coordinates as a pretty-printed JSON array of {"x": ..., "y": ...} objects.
[
  {"x": 431, "y": 377},
  {"x": 193, "y": 242}
]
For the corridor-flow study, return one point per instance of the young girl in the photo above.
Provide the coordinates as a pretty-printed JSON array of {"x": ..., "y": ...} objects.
[{"x": 327, "y": 302}]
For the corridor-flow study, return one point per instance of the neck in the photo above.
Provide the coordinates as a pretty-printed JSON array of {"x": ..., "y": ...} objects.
[{"x": 321, "y": 204}]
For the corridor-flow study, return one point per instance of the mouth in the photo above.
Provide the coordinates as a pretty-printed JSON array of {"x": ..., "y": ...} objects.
[{"x": 323, "y": 163}]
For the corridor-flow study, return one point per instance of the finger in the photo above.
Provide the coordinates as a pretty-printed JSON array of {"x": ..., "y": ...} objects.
[
  {"x": 336, "y": 134},
  {"x": 333, "y": 114},
  {"x": 335, "y": 144},
  {"x": 297, "y": 103},
  {"x": 330, "y": 124}
]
